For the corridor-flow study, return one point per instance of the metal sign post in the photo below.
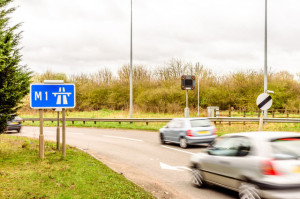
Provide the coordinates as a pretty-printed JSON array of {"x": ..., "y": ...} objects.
[
  {"x": 64, "y": 132},
  {"x": 261, "y": 121},
  {"x": 186, "y": 110},
  {"x": 57, "y": 130},
  {"x": 187, "y": 83},
  {"x": 53, "y": 94},
  {"x": 41, "y": 136},
  {"x": 264, "y": 102}
]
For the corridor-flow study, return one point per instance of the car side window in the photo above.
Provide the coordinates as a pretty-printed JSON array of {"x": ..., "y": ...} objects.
[
  {"x": 231, "y": 146},
  {"x": 179, "y": 124},
  {"x": 176, "y": 124},
  {"x": 172, "y": 124}
]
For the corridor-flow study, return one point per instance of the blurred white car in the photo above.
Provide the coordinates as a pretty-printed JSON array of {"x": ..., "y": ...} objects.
[
  {"x": 188, "y": 131},
  {"x": 255, "y": 164}
]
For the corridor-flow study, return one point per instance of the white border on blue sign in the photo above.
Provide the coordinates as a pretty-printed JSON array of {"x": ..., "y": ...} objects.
[{"x": 52, "y": 107}]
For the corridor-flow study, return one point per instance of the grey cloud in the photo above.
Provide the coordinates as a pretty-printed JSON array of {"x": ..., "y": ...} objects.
[{"x": 225, "y": 35}]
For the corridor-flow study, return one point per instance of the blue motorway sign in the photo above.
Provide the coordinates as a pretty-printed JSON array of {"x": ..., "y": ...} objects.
[{"x": 52, "y": 96}]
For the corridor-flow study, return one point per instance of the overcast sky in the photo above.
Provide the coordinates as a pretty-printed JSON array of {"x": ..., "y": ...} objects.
[{"x": 74, "y": 36}]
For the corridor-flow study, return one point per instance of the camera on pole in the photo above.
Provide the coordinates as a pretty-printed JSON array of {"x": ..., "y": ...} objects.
[{"x": 188, "y": 82}]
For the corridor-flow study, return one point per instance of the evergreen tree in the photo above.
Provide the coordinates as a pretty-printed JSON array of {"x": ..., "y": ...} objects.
[{"x": 14, "y": 78}]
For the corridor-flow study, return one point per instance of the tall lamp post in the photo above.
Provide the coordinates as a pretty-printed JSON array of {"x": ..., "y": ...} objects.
[
  {"x": 131, "y": 93},
  {"x": 266, "y": 60}
]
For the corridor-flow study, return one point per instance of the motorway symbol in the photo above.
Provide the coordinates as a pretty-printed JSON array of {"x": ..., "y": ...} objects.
[
  {"x": 62, "y": 92},
  {"x": 264, "y": 101},
  {"x": 52, "y": 96}
]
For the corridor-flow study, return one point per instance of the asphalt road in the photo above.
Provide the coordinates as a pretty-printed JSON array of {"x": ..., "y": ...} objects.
[{"x": 138, "y": 155}]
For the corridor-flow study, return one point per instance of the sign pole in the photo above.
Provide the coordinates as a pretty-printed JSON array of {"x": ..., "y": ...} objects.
[
  {"x": 53, "y": 94},
  {"x": 198, "y": 95},
  {"x": 264, "y": 102},
  {"x": 57, "y": 133},
  {"x": 64, "y": 132},
  {"x": 266, "y": 55},
  {"x": 261, "y": 121},
  {"x": 41, "y": 137},
  {"x": 186, "y": 110}
]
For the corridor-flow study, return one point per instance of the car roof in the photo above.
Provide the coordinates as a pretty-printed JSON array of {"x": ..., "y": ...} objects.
[{"x": 265, "y": 135}]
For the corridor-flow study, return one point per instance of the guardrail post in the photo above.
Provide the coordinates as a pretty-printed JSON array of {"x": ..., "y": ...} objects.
[
  {"x": 287, "y": 113},
  {"x": 273, "y": 114},
  {"x": 244, "y": 115}
]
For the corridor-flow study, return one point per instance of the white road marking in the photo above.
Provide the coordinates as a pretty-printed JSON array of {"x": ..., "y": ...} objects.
[
  {"x": 124, "y": 138},
  {"x": 168, "y": 167},
  {"x": 175, "y": 168},
  {"x": 179, "y": 150},
  {"x": 186, "y": 168}
]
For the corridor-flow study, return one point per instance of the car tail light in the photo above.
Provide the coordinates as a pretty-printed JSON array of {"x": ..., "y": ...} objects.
[
  {"x": 268, "y": 168},
  {"x": 189, "y": 133},
  {"x": 215, "y": 131}
]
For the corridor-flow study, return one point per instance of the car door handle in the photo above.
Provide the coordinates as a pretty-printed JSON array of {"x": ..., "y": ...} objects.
[{"x": 225, "y": 162}]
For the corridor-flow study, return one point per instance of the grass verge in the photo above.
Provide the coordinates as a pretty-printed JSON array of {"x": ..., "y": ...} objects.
[
  {"x": 222, "y": 128},
  {"x": 24, "y": 175}
]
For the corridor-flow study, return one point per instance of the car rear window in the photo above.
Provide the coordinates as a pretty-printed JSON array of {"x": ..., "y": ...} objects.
[
  {"x": 286, "y": 148},
  {"x": 200, "y": 123}
]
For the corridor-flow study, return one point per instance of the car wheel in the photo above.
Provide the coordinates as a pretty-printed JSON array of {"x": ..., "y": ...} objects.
[
  {"x": 162, "y": 139},
  {"x": 19, "y": 130},
  {"x": 183, "y": 143},
  {"x": 197, "y": 179},
  {"x": 248, "y": 191}
]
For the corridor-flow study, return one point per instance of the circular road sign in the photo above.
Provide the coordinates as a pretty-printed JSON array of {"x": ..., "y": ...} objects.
[{"x": 264, "y": 101}]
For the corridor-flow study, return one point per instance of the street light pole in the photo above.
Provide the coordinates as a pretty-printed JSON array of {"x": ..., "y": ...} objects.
[
  {"x": 266, "y": 54},
  {"x": 198, "y": 94},
  {"x": 131, "y": 93}
]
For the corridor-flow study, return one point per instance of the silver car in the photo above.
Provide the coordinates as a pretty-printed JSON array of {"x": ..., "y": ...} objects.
[
  {"x": 188, "y": 131},
  {"x": 14, "y": 124},
  {"x": 256, "y": 164}
]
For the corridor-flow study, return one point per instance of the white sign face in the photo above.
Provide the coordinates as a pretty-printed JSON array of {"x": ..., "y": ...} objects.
[{"x": 264, "y": 101}]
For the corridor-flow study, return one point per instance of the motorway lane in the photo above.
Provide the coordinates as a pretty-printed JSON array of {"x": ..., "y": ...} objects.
[{"x": 138, "y": 155}]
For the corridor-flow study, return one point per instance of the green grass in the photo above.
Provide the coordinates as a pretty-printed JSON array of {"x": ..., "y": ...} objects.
[
  {"x": 124, "y": 125},
  {"x": 78, "y": 175},
  {"x": 222, "y": 128},
  {"x": 104, "y": 113},
  {"x": 234, "y": 128}
]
